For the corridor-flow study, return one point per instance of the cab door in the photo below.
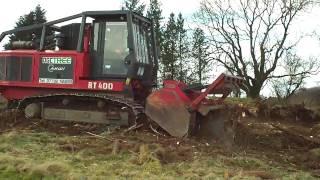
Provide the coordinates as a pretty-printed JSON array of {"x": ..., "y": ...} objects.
[{"x": 110, "y": 49}]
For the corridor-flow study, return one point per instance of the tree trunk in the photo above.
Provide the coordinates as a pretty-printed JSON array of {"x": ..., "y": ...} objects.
[{"x": 254, "y": 91}]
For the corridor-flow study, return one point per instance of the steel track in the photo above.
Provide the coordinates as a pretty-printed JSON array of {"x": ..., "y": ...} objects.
[{"x": 137, "y": 109}]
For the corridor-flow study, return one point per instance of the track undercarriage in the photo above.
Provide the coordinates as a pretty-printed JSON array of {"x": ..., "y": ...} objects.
[{"x": 86, "y": 108}]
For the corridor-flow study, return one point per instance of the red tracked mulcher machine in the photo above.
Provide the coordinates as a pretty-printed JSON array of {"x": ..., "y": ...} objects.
[{"x": 103, "y": 70}]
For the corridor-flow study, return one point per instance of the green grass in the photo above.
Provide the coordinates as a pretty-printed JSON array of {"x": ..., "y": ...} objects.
[{"x": 41, "y": 155}]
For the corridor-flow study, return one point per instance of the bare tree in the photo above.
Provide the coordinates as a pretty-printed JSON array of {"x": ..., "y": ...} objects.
[
  {"x": 298, "y": 71},
  {"x": 250, "y": 37}
]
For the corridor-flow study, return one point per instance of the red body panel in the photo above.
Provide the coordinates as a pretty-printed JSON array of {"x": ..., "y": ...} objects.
[
  {"x": 174, "y": 88},
  {"x": 80, "y": 80}
]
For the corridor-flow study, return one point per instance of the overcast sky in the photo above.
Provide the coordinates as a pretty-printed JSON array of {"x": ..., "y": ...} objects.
[{"x": 12, "y": 9}]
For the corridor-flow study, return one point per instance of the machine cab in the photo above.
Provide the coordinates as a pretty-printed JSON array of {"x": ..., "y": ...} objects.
[
  {"x": 116, "y": 44},
  {"x": 122, "y": 45}
]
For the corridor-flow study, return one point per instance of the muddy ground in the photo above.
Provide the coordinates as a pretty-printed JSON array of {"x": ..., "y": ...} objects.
[{"x": 264, "y": 148}]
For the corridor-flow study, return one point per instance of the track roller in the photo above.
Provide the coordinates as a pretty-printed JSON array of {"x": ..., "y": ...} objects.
[{"x": 32, "y": 110}]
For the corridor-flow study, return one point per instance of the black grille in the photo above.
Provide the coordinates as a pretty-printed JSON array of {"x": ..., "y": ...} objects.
[{"x": 15, "y": 68}]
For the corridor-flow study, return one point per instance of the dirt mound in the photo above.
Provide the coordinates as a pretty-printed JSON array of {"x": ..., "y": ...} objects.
[
  {"x": 287, "y": 112},
  {"x": 283, "y": 142}
]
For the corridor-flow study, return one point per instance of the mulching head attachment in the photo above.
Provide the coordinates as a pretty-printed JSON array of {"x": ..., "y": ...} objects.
[
  {"x": 176, "y": 108},
  {"x": 169, "y": 111}
]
